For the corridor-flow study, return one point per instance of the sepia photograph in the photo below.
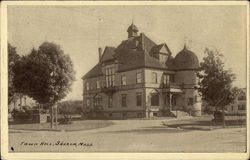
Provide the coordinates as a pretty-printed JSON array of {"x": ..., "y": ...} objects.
[{"x": 125, "y": 78}]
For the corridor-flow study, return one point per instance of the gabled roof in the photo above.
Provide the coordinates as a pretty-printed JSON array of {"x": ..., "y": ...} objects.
[
  {"x": 147, "y": 43},
  {"x": 108, "y": 54},
  {"x": 158, "y": 49},
  {"x": 94, "y": 72},
  {"x": 136, "y": 52}
]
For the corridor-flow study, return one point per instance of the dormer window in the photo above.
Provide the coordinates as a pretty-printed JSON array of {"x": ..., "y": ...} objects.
[
  {"x": 163, "y": 58},
  {"x": 161, "y": 52}
]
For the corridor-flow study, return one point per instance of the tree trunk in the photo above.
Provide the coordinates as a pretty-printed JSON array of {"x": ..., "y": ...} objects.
[
  {"x": 176, "y": 113},
  {"x": 223, "y": 117},
  {"x": 56, "y": 114},
  {"x": 51, "y": 117},
  {"x": 14, "y": 102},
  {"x": 21, "y": 103},
  {"x": 25, "y": 100}
]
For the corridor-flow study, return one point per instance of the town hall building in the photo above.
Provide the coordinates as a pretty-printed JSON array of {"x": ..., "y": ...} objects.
[{"x": 141, "y": 79}]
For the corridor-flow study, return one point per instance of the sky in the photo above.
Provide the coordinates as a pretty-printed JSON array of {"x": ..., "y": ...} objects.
[{"x": 80, "y": 30}]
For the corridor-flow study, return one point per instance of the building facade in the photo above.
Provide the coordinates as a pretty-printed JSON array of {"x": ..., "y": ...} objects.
[
  {"x": 239, "y": 104},
  {"x": 140, "y": 78}
]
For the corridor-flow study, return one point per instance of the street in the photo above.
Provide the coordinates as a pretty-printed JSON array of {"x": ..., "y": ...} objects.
[{"x": 131, "y": 136}]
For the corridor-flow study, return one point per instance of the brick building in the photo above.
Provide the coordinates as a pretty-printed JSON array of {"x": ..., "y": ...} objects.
[{"x": 140, "y": 78}]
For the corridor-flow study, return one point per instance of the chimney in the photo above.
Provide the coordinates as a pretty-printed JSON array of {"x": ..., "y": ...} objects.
[{"x": 100, "y": 53}]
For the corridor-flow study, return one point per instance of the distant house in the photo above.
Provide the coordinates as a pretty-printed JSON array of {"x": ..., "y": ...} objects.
[
  {"x": 140, "y": 78},
  {"x": 239, "y": 105},
  {"x": 20, "y": 101}
]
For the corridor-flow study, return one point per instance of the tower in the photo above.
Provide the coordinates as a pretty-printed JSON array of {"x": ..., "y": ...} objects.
[{"x": 132, "y": 30}]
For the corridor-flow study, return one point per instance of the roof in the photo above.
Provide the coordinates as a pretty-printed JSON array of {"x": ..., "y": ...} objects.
[
  {"x": 159, "y": 48},
  {"x": 94, "y": 72},
  {"x": 108, "y": 54},
  {"x": 132, "y": 27},
  {"x": 185, "y": 60},
  {"x": 147, "y": 43},
  {"x": 136, "y": 52}
]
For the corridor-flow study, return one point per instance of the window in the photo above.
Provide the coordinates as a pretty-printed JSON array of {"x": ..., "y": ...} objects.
[
  {"x": 154, "y": 77},
  {"x": 163, "y": 58},
  {"x": 123, "y": 80},
  {"x": 110, "y": 114},
  {"x": 124, "y": 115},
  {"x": 195, "y": 99},
  {"x": 138, "y": 99},
  {"x": 110, "y": 101},
  {"x": 165, "y": 79},
  {"x": 88, "y": 102},
  {"x": 97, "y": 101},
  {"x": 166, "y": 99},
  {"x": 97, "y": 84},
  {"x": 124, "y": 100},
  {"x": 138, "y": 77},
  {"x": 172, "y": 78},
  {"x": 190, "y": 101},
  {"x": 87, "y": 86},
  {"x": 242, "y": 97},
  {"x": 174, "y": 100},
  {"x": 155, "y": 100},
  {"x": 241, "y": 107},
  {"x": 110, "y": 77}
]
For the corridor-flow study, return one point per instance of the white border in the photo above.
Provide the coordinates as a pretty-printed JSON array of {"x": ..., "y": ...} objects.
[{"x": 96, "y": 155}]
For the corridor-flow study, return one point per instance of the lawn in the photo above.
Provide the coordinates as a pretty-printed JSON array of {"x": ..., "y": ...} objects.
[
  {"x": 205, "y": 123},
  {"x": 75, "y": 126}
]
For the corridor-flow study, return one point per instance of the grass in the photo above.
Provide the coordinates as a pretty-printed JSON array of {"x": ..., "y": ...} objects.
[
  {"x": 75, "y": 126},
  {"x": 205, "y": 123}
]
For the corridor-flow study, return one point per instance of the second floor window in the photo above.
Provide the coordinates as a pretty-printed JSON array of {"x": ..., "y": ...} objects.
[
  {"x": 138, "y": 77},
  {"x": 124, "y": 80},
  {"x": 165, "y": 79},
  {"x": 87, "y": 86},
  {"x": 97, "y": 84},
  {"x": 172, "y": 78},
  {"x": 154, "y": 77},
  {"x": 110, "y": 77}
]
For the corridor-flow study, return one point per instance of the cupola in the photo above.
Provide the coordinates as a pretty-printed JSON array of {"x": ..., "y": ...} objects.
[{"x": 132, "y": 30}]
